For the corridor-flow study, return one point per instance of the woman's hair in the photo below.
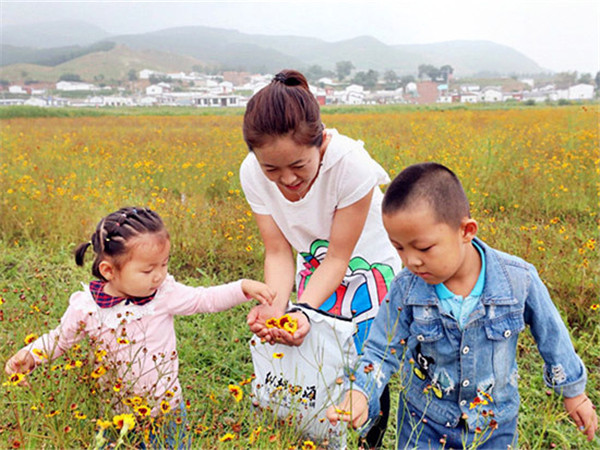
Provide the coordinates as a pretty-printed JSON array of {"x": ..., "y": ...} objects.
[
  {"x": 285, "y": 107},
  {"x": 114, "y": 233}
]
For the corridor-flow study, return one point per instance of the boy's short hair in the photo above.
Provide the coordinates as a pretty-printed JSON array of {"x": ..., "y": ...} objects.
[{"x": 433, "y": 183}]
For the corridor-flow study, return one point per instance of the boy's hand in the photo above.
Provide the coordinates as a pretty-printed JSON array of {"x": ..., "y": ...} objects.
[
  {"x": 583, "y": 412},
  {"x": 353, "y": 409},
  {"x": 259, "y": 291},
  {"x": 20, "y": 362}
]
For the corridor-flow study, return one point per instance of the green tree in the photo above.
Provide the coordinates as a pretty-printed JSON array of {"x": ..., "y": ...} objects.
[
  {"x": 565, "y": 79},
  {"x": 368, "y": 80},
  {"x": 446, "y": 70},
  {"x": 132, "y": 75},
  {"x": 315, "y": 72},
  {"x": 431, "y": 71},
  {"x": 391, "y": 80},
  {"x": 69, "y": 77},
  {"x": 343, "y": 69},
  {"x": 404, "y": 80},
  {"x": 585, "y": 78},
  {"x": 597, "y": 80}
]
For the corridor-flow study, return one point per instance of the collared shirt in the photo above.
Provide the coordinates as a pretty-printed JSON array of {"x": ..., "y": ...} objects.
[{"x": 461, "y": 308}]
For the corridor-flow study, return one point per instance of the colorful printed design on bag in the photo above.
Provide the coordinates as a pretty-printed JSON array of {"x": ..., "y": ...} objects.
[{"x": 363, "y": 289}]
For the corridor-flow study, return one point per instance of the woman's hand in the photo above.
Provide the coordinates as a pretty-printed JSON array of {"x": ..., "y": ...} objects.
[
  {"x": 285, "y": 337},
  {"x": 257, "y": 318}
]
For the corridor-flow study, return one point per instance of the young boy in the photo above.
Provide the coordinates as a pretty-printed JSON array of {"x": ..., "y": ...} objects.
[{"x": 451, "y": 323}]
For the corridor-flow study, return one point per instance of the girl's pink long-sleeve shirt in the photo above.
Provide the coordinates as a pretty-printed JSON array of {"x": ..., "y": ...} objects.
[{"x": 139, "y": 341}]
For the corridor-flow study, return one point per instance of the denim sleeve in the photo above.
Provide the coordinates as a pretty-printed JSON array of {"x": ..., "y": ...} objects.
[
  {"x": 383, "y": 350},
  {"x": 563, "y": 369}
]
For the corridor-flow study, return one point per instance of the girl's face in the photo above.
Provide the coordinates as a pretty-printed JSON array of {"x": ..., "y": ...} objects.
[
  {"x": 144, "y": 270},
  {"x": 292, "y": 167}
]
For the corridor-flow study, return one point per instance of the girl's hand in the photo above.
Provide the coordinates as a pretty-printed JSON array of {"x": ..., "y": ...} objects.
[
  {"x": 21, "y": 362},
  {"x": 353, "y": 409},
  {"x": 583, "y": 412},
  {"x": 284, "y": 337},
  {"x": 258, "y": 291}
]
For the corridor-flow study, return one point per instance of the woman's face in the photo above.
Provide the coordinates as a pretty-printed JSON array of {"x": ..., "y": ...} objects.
[{"x": 292, "y": 167}]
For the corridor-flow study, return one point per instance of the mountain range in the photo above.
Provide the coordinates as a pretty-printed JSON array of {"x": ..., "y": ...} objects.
[{"x": 45, "y": 51}]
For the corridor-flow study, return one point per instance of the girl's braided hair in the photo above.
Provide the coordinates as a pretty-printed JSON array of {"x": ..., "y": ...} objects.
[{"x": 115, "y": 231}]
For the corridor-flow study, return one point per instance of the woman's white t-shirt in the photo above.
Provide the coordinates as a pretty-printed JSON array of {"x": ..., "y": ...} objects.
[{"x": 347, "y": 174}]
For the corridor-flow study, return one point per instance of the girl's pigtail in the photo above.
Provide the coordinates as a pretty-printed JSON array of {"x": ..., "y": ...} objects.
[{"x": 80, "y": 252}]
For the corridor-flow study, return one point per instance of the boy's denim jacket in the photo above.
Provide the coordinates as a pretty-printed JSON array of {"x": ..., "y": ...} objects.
[{"x": 444, "y": 369}]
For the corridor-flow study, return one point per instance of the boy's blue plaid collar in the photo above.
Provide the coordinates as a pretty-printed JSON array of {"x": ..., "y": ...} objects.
[{"x": 104, "y": 300}]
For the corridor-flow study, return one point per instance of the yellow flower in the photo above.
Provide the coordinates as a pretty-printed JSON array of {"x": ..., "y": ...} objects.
[
  {"x": 254, "y": 435},
  {"x": 100, "y": 370},
  {"x": 142, "y": 410},
  {"x": 227, "y": 437},
  {"x": 272, "y": 323},
  {"x": 14, "y": 379},
  {"x": 30, "y": 338},
  {"x": 308, "y": 445},
  {"x": 103, "y": 424},
  {"x": 123, "y": 340},
  {"x": 165, "y": 407},
  {"x": 53, "y": 413},
  {"x": 79, "y": 415},
  {"x": 237, "y": 392},
  {"x": 126, "y": 421},
  {"x": 200, "y": 428},
  {"x": 595, "y": 307},
  {"x": 278, "y": 355},
  {"x": 100, "y": 354},
  {"x": 39, "y": 353}
]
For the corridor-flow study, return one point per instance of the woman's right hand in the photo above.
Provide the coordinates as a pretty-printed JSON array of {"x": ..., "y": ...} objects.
[{"x": 257, "y": 318}]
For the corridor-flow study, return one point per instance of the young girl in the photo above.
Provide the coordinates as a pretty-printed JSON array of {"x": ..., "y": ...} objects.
[{"x": 127, "y": 312}]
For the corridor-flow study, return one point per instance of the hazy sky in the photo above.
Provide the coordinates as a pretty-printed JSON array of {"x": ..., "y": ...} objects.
[{"x": 560, "y": 35}]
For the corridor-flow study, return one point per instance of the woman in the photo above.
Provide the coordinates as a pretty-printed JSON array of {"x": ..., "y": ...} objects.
[{"x": 317, "y": 192}]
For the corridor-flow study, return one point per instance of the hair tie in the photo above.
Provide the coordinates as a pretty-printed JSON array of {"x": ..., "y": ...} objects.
[{"x": 280, "y": 77}]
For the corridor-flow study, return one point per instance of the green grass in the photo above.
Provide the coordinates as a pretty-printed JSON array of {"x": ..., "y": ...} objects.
[
  {"x": 531, "y": 174},
  {"x": 213, "y": 349}
]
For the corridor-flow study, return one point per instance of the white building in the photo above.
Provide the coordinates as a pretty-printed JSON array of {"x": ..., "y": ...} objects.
[
  {"x": 147, "y": 73},
  {"x": 36, "y": 101},
  {"x": 491, "y": 94},
  {"x": 157, "y": 89},
  {"x": 581, "y": 92},
  {"x": 353, "y": 95},
  {"x": 75, "y": 86},
  {"x": 16, "y": 89},
  {"x": 469, "y": 97}
]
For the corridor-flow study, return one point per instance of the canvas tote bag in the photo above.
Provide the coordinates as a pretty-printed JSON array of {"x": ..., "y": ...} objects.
[{"x": 302, "y": 382}]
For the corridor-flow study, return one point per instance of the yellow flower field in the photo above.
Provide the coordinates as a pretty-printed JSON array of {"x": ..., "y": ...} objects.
[{"x": 532, "y": 176}]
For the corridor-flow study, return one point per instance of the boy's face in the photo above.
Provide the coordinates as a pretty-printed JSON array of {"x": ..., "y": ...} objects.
[{"x": 430, "y": 249}]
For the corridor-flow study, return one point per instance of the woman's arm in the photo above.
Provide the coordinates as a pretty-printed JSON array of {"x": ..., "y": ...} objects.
[
  {"x": 279, "y": 266},
  {"x": 280, "y": 270},
  {"x": 346, "y": 229},
  {"x": 347, "y": 226}
]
